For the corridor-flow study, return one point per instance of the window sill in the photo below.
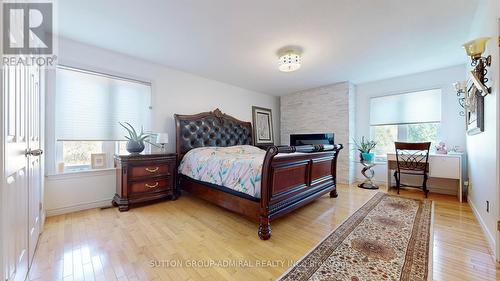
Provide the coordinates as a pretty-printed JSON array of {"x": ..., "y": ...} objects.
[{"x": 81, "y": 174}]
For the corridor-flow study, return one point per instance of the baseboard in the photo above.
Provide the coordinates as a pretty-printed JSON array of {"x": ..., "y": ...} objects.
[
  {"x": 78, "y": 207},
  {"x": 379, "y": 183},
  {"x": 434, "y": 189},
  {"x": 42, "y": 223},
  {"x": 487, "y": 233}
]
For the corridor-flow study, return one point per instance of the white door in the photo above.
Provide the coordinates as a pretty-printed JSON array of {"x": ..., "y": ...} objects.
[
  {"x": 34, "y": 160},
  {"x": 498, "y": 155},
  {"x": 22, "y": 168}
]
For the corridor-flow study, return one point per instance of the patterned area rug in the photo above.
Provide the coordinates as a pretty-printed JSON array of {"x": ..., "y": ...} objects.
[{"x": 389, "y": 238}]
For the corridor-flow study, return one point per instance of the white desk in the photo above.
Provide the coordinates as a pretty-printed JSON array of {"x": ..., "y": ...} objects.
[{"x": 447, "y": 166}]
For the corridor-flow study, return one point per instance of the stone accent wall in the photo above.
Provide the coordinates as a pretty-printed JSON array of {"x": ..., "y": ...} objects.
[{"x": 322, "y": 110}]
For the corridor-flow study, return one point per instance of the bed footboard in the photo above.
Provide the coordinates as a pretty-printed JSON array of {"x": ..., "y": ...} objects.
[{"x": 294, "y": 176}]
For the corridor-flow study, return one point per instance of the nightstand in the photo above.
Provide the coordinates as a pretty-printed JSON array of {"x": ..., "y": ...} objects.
[{"x": 144, "y": 178}]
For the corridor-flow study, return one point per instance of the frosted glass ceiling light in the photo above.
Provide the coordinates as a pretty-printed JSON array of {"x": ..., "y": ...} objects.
[{"x": 289, "y": 61}]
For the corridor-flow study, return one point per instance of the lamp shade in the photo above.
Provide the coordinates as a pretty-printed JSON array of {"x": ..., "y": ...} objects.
[
  {"x": 475, "y": 48},
  {"x": 162, "y": 138},
  {"x": 460, "y": 86}
]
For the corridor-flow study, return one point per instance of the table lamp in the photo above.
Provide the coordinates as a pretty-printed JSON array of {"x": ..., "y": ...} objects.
[{"x": 162, "y": 138}]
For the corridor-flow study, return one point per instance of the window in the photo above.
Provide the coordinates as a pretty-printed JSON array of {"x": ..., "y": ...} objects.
[
  {"x": 89, "y": 106},
  {"x": 76, "y": 154},
  {"x": 386, "y": 135},
  {"x": 410, "y": 117}
]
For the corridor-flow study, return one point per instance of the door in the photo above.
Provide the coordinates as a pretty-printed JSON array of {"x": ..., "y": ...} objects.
[
  {"x": 498, "y": 153},
  {"x": 16, "y": 173},
  {"x": 33, "y": 156},
  {"x": 22, "y": 168}
]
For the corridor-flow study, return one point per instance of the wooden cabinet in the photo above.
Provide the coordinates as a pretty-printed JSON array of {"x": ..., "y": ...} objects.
[
  {"x": 144, "y": 178},
  {"x": 444, "y": 167}
]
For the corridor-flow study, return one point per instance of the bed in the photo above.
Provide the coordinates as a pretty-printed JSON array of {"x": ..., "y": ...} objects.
[{"x": 291, "y": 176}]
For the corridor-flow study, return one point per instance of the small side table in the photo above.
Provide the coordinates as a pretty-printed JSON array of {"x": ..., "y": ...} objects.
[
  {"x": 368, "y": 173},
  {"x": 143, "y": 178}
]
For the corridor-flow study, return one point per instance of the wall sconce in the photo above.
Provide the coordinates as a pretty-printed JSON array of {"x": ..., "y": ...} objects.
[
  {"x": 475, "y": 50},
  {"x": 461, "y": 88}
]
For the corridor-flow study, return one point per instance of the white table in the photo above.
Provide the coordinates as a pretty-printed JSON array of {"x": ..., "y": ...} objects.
[{"x": 447, "y": 166}]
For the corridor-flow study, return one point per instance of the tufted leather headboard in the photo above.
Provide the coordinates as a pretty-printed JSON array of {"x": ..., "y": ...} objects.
[{"x": 210, "y": 129}]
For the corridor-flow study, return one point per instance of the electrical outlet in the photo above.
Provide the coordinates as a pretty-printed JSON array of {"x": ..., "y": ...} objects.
[{"x": 487, "y": 206}]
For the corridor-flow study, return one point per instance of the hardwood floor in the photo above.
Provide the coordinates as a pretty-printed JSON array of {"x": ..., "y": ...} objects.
[{"x": 176, "y": 240}]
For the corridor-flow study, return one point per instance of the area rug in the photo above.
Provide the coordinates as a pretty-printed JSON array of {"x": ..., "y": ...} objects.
[{"x": 389, "y": 238}]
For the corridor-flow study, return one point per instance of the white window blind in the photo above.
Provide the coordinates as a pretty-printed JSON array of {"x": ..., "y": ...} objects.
[
  {"x": 415, "y": 107},
  {"x": 89, "y": 105}
]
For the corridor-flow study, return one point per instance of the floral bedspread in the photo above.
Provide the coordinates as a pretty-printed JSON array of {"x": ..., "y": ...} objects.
[{"x": 235, "y": 167}]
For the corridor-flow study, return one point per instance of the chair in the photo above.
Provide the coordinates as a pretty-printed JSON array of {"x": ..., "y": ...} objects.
[{"x": 412, "y": 159}]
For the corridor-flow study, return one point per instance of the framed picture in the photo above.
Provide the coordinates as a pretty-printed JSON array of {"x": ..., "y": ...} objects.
[
  {"x": 262, "y": 126},
  {"x": 98, "y": 160},
  {"x": 474, "y": 114}
]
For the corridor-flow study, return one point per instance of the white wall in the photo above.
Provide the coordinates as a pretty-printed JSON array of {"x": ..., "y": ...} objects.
[
  {"x": 483, "y": 149},
  {"x": 452, "y": 124},
  {"x": 173, "y": 92}
]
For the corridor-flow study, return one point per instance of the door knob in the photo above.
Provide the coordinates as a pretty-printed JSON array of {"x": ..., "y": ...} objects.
[{"x": 34, "y": 152}]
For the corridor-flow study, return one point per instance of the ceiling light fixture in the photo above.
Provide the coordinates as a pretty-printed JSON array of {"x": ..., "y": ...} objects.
[{"x": 289, "y": 61}]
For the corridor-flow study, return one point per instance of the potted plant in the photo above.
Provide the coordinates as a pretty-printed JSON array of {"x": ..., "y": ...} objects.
[
  {"x": 364, "y": 147},
  {"x": 135, "y": 143}
]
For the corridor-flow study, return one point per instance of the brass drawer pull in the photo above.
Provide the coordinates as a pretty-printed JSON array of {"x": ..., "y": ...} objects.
[
  {"x": 152, "y": 186},
  {"x": 153, "y": 170}
]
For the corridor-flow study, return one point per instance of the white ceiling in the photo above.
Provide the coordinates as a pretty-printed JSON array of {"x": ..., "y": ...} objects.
[{"x": 236, "y": 41}]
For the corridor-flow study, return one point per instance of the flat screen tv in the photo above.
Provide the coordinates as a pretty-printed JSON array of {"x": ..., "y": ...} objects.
[{"x": 305, "y": 139}]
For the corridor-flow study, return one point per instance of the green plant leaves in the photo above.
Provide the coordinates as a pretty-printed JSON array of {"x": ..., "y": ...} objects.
[
  {"x": 132, "y": 133},
  {"x": 365, "y": 145}
]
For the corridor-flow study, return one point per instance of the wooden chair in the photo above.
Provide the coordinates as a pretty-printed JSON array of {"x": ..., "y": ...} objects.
[{"x": 412, "y": 159}]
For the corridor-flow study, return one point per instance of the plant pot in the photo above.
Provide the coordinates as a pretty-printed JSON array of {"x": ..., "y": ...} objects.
[
  {"x": 368, "y": 157},
  {"x": 135, "y": 147}
]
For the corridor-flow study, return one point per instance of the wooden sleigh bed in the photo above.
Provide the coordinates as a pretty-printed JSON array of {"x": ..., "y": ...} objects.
[{"x": 298, "y": 176}]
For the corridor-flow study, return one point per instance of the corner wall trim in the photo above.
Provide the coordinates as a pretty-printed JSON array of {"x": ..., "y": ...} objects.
[
  {"x": 78, "y": 207},
  {"x": 487, "y": 233}
]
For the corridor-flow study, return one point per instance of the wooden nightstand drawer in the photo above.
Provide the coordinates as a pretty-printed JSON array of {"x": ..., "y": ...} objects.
[
  {"x": 151, "y": 185},
  {"x": 163, "y": 169},
  {"x": 143, "y": 178}
]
